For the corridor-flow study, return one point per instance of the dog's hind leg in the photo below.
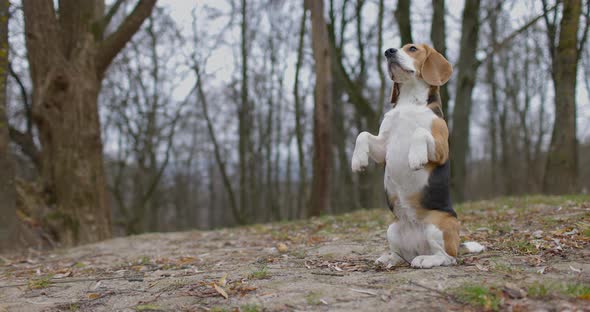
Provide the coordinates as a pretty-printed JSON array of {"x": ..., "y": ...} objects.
[
  {"x": 438, "y": 255},
  {"x": 394, "y": 256},
  {"x": 442, "y": 236}
]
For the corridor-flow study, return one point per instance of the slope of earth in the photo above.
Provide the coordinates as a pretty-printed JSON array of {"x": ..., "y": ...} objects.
[{"x": 537, "y": 258}]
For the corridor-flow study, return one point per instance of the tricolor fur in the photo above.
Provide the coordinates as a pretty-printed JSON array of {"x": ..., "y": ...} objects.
[{"x": 413, "y": 142}]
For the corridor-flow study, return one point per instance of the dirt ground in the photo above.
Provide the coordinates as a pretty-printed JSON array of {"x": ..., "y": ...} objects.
[{"x": 537, "y": 258}]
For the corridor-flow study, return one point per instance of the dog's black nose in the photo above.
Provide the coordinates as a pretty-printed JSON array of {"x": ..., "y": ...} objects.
[{"x": 390, "y": 52}]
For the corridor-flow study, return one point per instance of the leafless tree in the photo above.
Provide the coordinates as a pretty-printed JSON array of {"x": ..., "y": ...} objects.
[
  {"x": 561, "y": 173},
  {"x": 144, "y": 121},
  {"x": 438, "y": 36},
  {"x": 299, "y": 116},
  {"x": 68, "y": 57},
  {"x": 402, "y": 15},
  {"x": 467, "y": 69},
  {"x": 8, "y": 224},
  {"x": 320, "y": 193}
]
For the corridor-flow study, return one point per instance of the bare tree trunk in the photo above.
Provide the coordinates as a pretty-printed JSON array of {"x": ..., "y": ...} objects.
[
  {"x": 302, "y": 193},
  {"x": 402, "y": 15},
  {"x": 506, "y": 149},
  {"x": 493, "y": 100},
  {"x": 467, "y": 69},
  {"x": 67, "y": 58},
  {"x": 8, "y": 221},
  {"x": 237, "y": 212},
  {"x": 561, "y": 173},
  {"x": 362, "y": 68},
  {"x": 523, "y": 122},
  {"x": 271, "y": 194},
  {"x": 492, "y": 130},
  {"x": 245, "y": 121},
  {"x": 540, "y": 136},
  {"x": 212, "y": 192},
  {"x": 438, "y": 36},
  {"x": 322, "y": 161},
  {"x": 288, "y": 201},
  {"x": 379, "y": 61},
  {"x": 276, "y": 186}
]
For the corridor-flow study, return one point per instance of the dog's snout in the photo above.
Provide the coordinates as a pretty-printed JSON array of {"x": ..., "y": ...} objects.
[{"x": 390, "y": 52}]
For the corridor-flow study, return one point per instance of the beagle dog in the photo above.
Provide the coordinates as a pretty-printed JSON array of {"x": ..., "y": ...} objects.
[{"x": 413, "y": 143}]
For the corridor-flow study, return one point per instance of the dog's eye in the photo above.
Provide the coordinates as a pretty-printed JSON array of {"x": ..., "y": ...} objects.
[{"x": 413, "y": 49}]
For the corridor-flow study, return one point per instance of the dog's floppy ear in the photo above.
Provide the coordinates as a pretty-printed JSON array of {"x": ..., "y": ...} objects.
[
  {"x": 436, "y": 70},
  {"x": 394, "y": 94}
]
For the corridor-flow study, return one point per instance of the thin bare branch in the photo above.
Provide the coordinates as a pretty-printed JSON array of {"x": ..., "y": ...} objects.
[
  {"x": 111, "y": 45},
  {"x": 585, "y": 31},
  {"x": 502, "y": 43}
]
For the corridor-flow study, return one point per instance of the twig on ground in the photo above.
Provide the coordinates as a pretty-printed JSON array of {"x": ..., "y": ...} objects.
[
  {"x": 328, "y": 273},
  {"x": 137, "y": 278},
  {"x": 440, "y": 292},
  {"x": 362, "y": 291}
]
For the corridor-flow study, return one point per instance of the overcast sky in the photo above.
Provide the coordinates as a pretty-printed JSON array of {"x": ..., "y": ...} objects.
[
  {"x": 224, "y": 59},
  {"x": 521, "y": 11}
]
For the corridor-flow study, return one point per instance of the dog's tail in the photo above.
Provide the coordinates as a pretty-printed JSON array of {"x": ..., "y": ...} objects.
[{"x": 472, "y": 247}]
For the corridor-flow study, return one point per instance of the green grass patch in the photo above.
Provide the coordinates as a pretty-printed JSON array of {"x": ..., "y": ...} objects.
[
  {"x": 506, "y": 268},
  {"x": 79, "y": 265},
  {"x": 522, "y": 202},
  {"x": 40, "y": 283},
  {"x": 298, "y": 254},
  {"x": 250, "y": 308},
  {"x": 587, "y": 232},
  {"x": 280, "y": 235},
  {"x": 479, "y": 296},
  {"x": 144, "y": 260},
  {"x": 313, "y": 298},
  {"x": 537, "y": 290},
  {"x": 500, "y": 227},
  {"x": 148, "y": 307},
  {"x": 572, "y": 290},
  {"x": 522, "y": 247},
  {"x": 577, "y": 291},
  {"x": 260, "y": 273},
  {"x": 551, "y": 221}
]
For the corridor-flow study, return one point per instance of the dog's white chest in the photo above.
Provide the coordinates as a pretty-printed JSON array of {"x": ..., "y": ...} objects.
[{"x": 404, "y": 121}]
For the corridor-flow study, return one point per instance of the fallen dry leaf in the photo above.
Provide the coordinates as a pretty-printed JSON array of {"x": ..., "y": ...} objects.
[
  {"x": 282, "y": 248},
  {"x": 93, "y": 296},
  {"x": 62, "y": 275},
  {"x": 481, "y": 267},
  {"x": 220, "y": 291},
  {"x": 186, "y": 260},
  {"x": 242, "y": 290}
]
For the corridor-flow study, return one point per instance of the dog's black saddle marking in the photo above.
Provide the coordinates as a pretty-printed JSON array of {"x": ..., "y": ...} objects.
[{"x": 436, "y": 194}]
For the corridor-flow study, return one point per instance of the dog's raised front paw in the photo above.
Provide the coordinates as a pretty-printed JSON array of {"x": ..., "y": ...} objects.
[
  {"x": 418, "y": 156},
  {"x": 360, "y": 161}
]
